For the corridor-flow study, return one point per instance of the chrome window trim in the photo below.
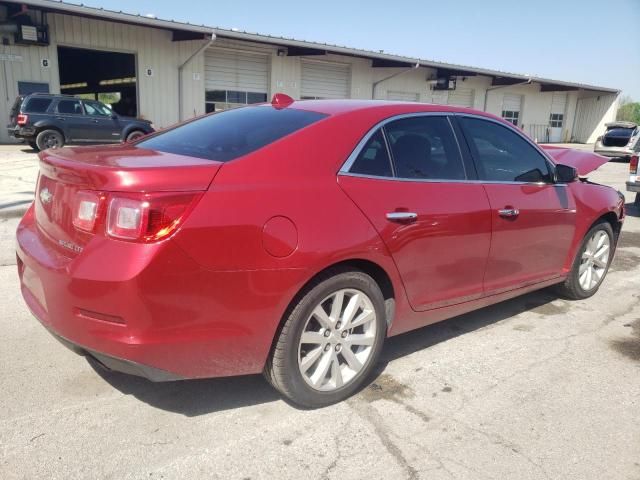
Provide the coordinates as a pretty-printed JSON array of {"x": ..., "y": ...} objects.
[{"x": 346, "y": 166}]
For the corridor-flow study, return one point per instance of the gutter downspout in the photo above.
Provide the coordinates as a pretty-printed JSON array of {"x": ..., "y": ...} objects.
[
  {"x": 181, "y": 68},
  {"x": 486, "y": 92},
  {"x": 375, "y": 84}
]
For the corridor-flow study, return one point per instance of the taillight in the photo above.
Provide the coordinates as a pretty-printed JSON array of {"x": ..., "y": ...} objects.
[
  {"x": 148, "y": 217},
  {"x": 22, "y": 119},
  {"x": 85, "y": 210},
  {"x": 633, "y": 165}
]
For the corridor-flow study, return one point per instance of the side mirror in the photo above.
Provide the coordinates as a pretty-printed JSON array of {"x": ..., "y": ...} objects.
[
  {"x": 566, "y": 174},
  {"x": 114, "y": 116}
]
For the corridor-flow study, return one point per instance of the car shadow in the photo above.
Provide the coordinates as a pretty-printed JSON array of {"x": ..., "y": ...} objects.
[
  {"x": 199, "y": 397},
  {"x": 29, "y": 150}
]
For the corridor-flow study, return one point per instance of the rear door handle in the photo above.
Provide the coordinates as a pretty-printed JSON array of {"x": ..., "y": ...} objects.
[
  {"x": 402, "y": 217},
  {"x": 509, "y": 212},
  {"x": 59, "y": 118}
]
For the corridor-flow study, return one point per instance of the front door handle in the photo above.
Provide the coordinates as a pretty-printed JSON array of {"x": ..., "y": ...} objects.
[
  {"x": 509, "y": 212},
  {"x": 402, "y": 217}
]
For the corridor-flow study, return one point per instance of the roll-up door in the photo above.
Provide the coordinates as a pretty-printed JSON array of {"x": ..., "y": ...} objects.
[
  {"x": 325, "y": 80},
  {"x": 461, "y": 97},
  {"x": 403, "y": 96},
  {"x": 235, "y": 78}
]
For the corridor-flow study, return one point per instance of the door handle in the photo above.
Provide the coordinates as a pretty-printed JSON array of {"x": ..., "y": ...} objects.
[
  {"x": 60, "y": 118},
  {"x": 509, "y": 212},
  {"x": 94, "y": 121},
  {"x": 402, "y": 217}
]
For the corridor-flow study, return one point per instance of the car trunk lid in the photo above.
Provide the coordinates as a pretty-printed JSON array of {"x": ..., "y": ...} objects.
[
  {"x": 122, "y": 168},
  {"x": 583, "y": 162}
]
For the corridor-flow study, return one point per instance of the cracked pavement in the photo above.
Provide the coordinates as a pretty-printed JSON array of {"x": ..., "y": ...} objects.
[{"x": 533, "y": 388}]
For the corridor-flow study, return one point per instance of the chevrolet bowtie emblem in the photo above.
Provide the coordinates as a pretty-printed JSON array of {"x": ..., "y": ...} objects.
[{"x": 45, "y": 195}]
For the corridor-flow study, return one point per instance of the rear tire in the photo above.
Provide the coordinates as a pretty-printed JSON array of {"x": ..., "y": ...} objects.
[
  {"x": 342, "y": 317},
  {"x": 49, "y": 139},
  {"x": 591, "y": 263},
  {"x": 134, "y": 135}
]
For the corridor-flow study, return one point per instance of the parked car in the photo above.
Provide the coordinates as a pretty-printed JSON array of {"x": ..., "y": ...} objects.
[
  {"x": 633, "y": 184},
  {"x": 621, "y": 140},
  {"x": 51, "y": 121},
  {"x": 291, "y": 238}
]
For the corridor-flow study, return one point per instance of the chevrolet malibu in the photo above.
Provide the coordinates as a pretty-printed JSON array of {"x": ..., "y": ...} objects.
[{"x": 292, "y": 238}]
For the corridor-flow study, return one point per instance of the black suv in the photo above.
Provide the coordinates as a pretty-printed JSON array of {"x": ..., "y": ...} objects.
[{"x": 50, "y": 121}]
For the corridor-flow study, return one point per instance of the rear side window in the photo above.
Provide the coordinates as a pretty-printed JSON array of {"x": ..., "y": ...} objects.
[
  {"x": 373, "y": 159},
  {"x": 36, "y": 105},
  {"x": 425, "y": 148},
  {"x": 69, "y": 107},
  {"x": 502, "y": 155},
  {"x": 231, "y": 134}
]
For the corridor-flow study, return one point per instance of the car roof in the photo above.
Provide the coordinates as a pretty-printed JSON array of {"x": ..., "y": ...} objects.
[{"x": 385, "y": 107}]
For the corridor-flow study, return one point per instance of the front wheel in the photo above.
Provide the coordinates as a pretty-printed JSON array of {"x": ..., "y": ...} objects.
[
  {"x": 330, "y": 340},
  {"x": 591, "y": 264}
]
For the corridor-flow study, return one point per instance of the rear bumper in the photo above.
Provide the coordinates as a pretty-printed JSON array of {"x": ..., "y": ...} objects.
[
  {"x": 613, "y": 152},
  {"x": 633, "y": 187},
  {"x": 21, "y": 132},
  {"x": 150, "y": 308}
]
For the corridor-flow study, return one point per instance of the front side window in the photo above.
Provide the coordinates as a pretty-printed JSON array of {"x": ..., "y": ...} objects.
[
  {"x": 69, "y": 107},
  {"x": 503, "y": 155},
  {"x": 373, "y": 159},
  {"x": 97, "y": 108},
  {"x": 425, "y": 148},
  {"x": 231, "y": 134}
]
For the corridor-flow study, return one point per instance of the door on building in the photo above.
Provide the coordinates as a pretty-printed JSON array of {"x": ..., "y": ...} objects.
[
  {"x": 324, "y": 80},
  {"x": 109, "y": 77},
  {"x": 511, "y": 106},
  {"x": 461, "y": 97},
  {"x": 556, "y": 118},
  {"x": 234, "y": 79}
]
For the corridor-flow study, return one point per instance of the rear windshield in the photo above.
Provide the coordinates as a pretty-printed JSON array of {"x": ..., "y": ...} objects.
[
  {"x": 620, "y": 132},
  {"x": 36, "y": 105},
  {"x": 231, "y": 134},
  {"x": 15, "y": 109}
]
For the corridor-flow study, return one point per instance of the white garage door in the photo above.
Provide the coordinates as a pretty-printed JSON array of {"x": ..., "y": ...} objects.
[
  {"x": 325, "y": 80},
  {"x": 403, "y": 96},
  {"x": 234, "y": 78},
  {"x": 461, "y": 97},
  {"x": 556, "y": 118},
  {"x": 511, "y": 106}
]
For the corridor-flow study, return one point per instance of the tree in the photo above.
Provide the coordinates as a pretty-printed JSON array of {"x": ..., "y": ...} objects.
[{"x": 628, "y": 110}]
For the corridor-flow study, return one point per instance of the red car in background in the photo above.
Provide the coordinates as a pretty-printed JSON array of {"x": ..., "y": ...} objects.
[{"x": 291, "y": 238}]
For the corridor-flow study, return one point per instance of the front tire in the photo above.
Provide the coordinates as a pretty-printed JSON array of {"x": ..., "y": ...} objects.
[
  {"x": 49, "y": 139},
  {"x": 591, "y": 263},
  {"x": 330, "y": 341}
]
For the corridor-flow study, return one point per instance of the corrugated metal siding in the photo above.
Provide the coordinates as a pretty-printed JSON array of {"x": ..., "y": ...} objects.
[
  {"x": 325, "y": 80},
  {"x": 589, "y": 114},
  {"x": 229, "y": 70},
  {"x": 461, "y": 97}
]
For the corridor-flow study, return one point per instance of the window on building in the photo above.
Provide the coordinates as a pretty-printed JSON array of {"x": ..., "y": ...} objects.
[
  {"x": 511, "y": 116},
  {"x": 373, "y": 159},
  {"x": 503, "y": 155},
  {"x": 216, "y": 100},
  {"x": 556, "y": 120},
  {"x": 37, "y": 105},
  {"x": 425, "y": 148}
]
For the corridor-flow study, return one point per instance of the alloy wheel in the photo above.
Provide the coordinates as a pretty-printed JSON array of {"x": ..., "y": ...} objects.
[
  {"x": 337, "y": 340},
  {"x": 594, "y": 261}
]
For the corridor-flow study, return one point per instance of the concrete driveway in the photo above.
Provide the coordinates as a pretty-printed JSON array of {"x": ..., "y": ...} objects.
[{"x": 533, "y": 388}]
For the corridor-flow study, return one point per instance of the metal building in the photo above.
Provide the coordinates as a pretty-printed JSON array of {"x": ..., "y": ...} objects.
[{"x": 167, "y": 71}]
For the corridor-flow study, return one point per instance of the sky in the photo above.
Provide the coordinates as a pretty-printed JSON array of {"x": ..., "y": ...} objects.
[{"x": 588, "y": 41}]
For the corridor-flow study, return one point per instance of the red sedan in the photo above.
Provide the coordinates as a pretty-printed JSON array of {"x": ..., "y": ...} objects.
[{"x": 291, "y": 238}]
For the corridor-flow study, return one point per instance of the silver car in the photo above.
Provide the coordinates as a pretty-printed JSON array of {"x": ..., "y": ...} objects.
[{"x": 620, "y": 140}]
